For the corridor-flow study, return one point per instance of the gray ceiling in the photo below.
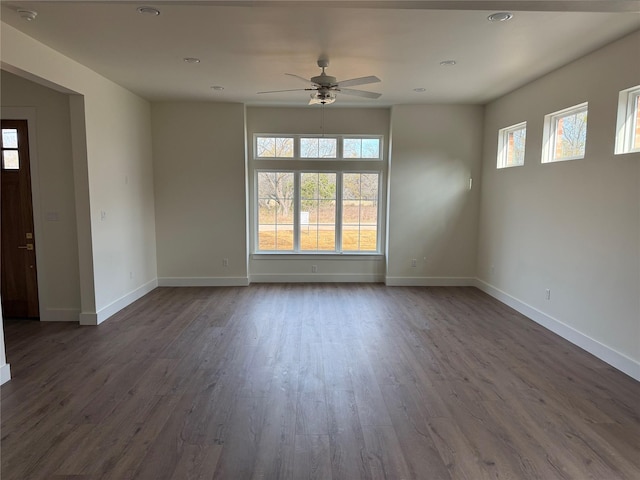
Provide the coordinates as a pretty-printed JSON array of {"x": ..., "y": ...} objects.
[{"x": 247, "y": 46}]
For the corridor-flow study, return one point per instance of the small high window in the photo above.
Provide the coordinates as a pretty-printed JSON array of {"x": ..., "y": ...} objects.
[
  {"x": 565, "y": 134},
  {"x": 628, "y": 126},
  {"x": 511, "y": 143}
]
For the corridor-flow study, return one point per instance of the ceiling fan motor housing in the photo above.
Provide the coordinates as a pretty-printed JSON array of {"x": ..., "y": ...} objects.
[{"x": 324, "y": 80}]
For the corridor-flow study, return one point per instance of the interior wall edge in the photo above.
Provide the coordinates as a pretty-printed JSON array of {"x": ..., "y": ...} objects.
[
  {"x": 5, "y": 373},
  {"x": 96, "y": 318}
]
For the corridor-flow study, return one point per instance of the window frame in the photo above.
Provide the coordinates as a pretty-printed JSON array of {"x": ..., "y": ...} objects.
[
  {"x": 339, "y": 147},
  {"x": 503, "y": 145},
  {"x": 299, "y": 165},
  {"x": 255, "y": 147},
  {"x": 550, "y": 133},
  {"x": 626, "y": 125},
  {"x": 297, "y": 203}
]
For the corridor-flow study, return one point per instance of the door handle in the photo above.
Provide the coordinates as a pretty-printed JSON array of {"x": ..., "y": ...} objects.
[{"x": 28, "y": 246}]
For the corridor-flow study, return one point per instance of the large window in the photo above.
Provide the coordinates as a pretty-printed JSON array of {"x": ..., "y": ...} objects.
[
  {"x": 511, "y": 143},
  {"x": 628, "y": 126},
  {"x": 314, "y": 207},
  {"x": 565, "y": 134}
]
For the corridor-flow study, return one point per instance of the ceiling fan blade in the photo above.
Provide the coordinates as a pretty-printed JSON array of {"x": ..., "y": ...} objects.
[
  {"x": 360, "y": 93},
  {"x": 292, "y": 90},
  {"x": 359, "y": 81},
  {"x": 305, "y": 80}
]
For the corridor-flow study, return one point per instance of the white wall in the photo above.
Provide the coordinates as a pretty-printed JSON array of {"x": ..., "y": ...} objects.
[
  {"x": 54, "y": 208},
  {"x": 571, "y": 227},
  {"x": 111, "y": 149},
  {"x": 199, "y": 166},
  {"x": 433, "y": 215},
  {"x": 337, "y": 120},
  {"x": 5, "y": 368}
]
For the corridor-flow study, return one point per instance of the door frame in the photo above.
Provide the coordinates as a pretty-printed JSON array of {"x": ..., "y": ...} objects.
[{"x": 29, "y": 114}]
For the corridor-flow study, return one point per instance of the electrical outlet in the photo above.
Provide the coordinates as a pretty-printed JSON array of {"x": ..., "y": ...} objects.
[
  {"x": 314, "y": 269},
  {"x": 130, "y": 274},
  {"x": 547, "y": 294},
  {"x": 225, "y": 262},
  {"x": 414, "y": 262}
]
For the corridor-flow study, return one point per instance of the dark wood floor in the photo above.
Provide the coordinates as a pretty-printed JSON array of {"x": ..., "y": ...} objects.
[{"x": 313, "y": 381}]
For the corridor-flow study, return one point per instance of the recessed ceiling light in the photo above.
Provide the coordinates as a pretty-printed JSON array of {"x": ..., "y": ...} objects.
[
  {"x": 28, "y": 15},
  {"x": 500, "y": 17},
  {"x": 145, "y": 10},
  {"x": 191, "y": 60},
  {"x": 420, "y": 90},
  {"x": 447, "y": 63},
  {"x": 217, "y": 88}
]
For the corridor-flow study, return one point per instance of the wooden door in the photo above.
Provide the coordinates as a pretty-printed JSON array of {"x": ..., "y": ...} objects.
[{"x": 18, "y": 255}]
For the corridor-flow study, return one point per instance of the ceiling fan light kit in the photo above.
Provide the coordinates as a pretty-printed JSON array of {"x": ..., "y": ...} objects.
[{"x": 324, "y": 87}]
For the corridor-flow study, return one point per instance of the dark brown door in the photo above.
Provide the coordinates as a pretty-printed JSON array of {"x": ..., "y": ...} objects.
[{"x": 18, "y": 254}]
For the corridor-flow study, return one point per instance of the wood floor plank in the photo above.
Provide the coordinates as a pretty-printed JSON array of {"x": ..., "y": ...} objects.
[
  {"x": 327, "y": 381},
  {"x": 312, "y": 458},
  {"x": 384, "y": 452}
]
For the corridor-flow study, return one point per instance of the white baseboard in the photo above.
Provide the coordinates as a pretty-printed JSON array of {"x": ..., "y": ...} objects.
[
  {"x": 5, "y": 373},
  {"x": 203, "y": 282},
  {"x": 430, "y": 282},
  {"x": 317, "y": 278},
  {"x": 91, "y": 318},
  {"x": 60, "y": 315},
  {"x": 614, "y": 358}
]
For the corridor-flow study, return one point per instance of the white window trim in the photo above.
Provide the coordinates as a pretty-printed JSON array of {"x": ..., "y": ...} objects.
[
  {"x": 549, "y": 133},
  {"x": 503, "y": 144},
  {"x": 626, "y": 123},
  {"x": 339, "y": 150},
  {"x": 296, "y": 214}
]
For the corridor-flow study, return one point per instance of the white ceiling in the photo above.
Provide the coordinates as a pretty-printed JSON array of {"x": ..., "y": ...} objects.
[{"x": 247, "y": 46}]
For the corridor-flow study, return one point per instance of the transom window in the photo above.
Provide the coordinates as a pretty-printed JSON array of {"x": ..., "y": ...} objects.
[
  {"x": 302, "y": 204},
  {"x": 565, "y": 134},
  {"x": 10, "y": 155},
  {"x": 314, "y": 147},
  {"x": 511, "y": 143}
]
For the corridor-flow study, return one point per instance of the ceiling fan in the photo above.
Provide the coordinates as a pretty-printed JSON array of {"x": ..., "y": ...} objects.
[{"x": 324, "y": 87}]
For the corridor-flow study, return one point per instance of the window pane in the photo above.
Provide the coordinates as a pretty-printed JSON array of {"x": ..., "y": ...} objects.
[
  {"x": 275, "y": 210},
  {"x": 511, "y": 145},
  {"x": 266, "y": 237},
  {"x": 309, "y": 147},
  {"x": 274, "y": 147},
  {"x": 570, "y": 136},
  {"x": 351, "y": 148},
  {"x": 284, "y": 237},
  {"x": 284, "y": 147},
  {"x": 10, "y": 160},
  {"x": 327, "y": 148},
  {"x": 515, "y": 147},
  {"x": 318, "y": 214},
  {"x": 360, "y": 211},
  {"x": 265, "y": 147},
  {"x": 9, "y": 138},
  {"x": 370, "y": 148}
]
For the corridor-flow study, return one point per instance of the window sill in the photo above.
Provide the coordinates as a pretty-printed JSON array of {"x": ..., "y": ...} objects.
[{"x": 375, "y": 256}]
